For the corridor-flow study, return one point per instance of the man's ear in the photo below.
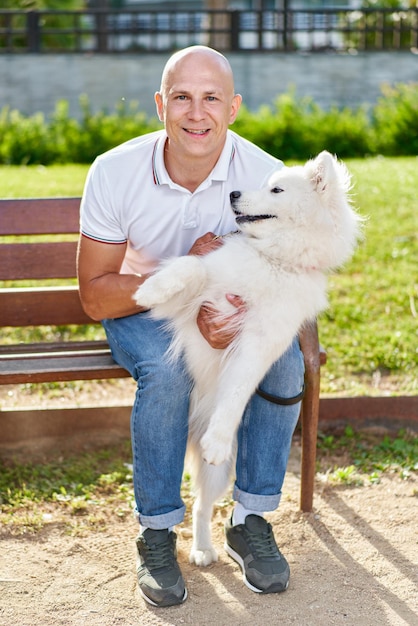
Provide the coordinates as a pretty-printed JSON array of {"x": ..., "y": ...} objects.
[
  {"x": 160, "y": 106},
  {"x": 236, "y": 103}
]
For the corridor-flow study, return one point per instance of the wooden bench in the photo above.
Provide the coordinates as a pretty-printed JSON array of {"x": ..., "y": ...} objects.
[{"x": 54, "y": 257}]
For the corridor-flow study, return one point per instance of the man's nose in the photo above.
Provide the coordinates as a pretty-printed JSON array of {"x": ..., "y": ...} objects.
[{"x": 197, "y": 110}]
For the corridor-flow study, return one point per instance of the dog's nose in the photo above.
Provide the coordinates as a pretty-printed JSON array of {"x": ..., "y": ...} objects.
[{"x": 234, "y": 195}]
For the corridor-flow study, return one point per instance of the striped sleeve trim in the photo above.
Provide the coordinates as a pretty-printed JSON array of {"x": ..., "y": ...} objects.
[{"x": 102, "y": 239}]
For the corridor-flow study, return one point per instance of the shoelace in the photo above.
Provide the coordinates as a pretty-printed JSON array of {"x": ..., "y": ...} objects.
[
  {"x": 159, "y": 555},
  {"x": 264, "y": 544}
]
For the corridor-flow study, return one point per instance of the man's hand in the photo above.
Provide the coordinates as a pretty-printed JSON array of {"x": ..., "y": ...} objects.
[
  {"x": 205, "y": 244},
  {"x": 218, "y": 331}
]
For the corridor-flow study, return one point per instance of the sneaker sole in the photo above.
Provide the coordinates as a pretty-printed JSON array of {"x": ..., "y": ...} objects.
[
  {"x": 272, "y": 589},
  {"x": 162, "y": 605}
]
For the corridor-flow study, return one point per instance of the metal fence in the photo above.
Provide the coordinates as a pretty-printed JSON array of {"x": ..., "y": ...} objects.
[{"x": 123, "y": 31}]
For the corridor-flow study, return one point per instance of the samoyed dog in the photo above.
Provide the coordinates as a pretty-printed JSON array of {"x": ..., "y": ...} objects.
[{"x": 291, "y": 234}]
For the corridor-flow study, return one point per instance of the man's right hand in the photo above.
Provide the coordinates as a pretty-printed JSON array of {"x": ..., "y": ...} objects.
[{"x": 205, "y": 244}]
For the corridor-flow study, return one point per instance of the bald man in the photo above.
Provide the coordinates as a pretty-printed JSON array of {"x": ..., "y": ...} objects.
[{"x": 162, "y": 195}]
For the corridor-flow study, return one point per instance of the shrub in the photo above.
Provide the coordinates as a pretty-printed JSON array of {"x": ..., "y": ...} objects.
[
  {"x": 291, "y": 129},
  {"x": 344, "y": 132},
  {"x": 24, "y": 140},
  {"x": 396, "y": 120},
  {"x": 284, "y": 130}
]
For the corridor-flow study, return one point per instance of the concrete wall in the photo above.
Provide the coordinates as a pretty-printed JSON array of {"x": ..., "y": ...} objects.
[{"x": 32, "y": 83}]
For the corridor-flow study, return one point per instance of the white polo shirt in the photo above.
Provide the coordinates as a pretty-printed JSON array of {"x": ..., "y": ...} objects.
[{"x": 129, "y": 197}]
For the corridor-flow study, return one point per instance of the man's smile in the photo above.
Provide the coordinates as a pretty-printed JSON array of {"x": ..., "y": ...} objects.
[{"x": 197, "y": 132}]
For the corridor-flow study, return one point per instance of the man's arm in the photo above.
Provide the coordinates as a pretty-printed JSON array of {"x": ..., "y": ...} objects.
[{"x": 104, "y": 292}]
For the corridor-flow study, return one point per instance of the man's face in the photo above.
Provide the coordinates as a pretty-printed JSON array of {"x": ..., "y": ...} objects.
[{"x": 197, "y": 105}]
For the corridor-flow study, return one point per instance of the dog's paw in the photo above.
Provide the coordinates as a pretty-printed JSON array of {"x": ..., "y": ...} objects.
[
  {"x": 156, "y": 290},
  {"x": 184, "y": 274},
  {"x": 203, "y": 557},
  {"x": 216, "y": 449}
]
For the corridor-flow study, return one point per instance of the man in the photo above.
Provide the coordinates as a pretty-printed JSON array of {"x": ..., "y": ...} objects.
[{"x": 161, "y": 195}]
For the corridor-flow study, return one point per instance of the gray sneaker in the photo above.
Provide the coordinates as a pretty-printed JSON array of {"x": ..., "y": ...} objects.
[
  {"x": 159, "y": 576},
  {"x": 253, "y": 547}
]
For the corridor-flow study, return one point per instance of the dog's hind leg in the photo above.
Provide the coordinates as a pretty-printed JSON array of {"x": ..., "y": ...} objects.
[{"x": 211, "y": 483}]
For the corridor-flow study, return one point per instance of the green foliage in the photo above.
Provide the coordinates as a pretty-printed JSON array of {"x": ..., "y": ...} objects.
[
  {"x": 40, "y": 5},
  {"x": 374, "y": 29},
  {"x": 62, "y": 139},
  {"x": 370, "y": 328},
  {"x": 53, "y": 21},
  {"x": 291, "y": 129},
  {"x": 369, "y": 456},
  {"x": 284, "y": 131},
  {"x": 25, "y": 140},
  {"x": 396, "y": 120},
  {"x": 102, "y": 479},
  {"x": 84, "y": 476},
  {"x": 300, "y": 127}
]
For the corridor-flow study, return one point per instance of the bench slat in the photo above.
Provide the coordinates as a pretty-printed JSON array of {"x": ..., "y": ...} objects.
[
  {"x": 28, "y": 261},
  {"x": 57, "y": 361},
  {"x": 53, "y": 346},
  {"x": 40, "y": 216},
  {"x": 64, "y": 368},
  {"x": 41, "y": 306}
]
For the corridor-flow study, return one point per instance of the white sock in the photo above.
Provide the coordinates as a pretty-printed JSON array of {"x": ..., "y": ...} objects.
[
  {"x": 142, "y": 529},
  {"x": 240, "y": 513}
]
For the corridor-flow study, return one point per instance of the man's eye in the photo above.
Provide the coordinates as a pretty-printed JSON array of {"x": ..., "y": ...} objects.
[
  {"x": 277, "y": 190},
  {"x": 211, "y": 98},
  {"x": 181, "y": 97}
]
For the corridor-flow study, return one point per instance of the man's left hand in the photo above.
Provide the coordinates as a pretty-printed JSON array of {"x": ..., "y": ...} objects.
[{"x": 219, "y": 331}]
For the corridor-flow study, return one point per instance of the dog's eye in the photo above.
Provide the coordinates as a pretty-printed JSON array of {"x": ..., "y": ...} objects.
[{"x": 277, "y": 190}]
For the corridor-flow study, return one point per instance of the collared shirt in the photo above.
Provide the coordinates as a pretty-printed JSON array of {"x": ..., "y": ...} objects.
[{"x": 129, "y": 197}]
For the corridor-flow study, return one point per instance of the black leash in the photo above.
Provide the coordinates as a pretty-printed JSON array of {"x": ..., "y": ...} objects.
[{"x": 278, "y": 399}]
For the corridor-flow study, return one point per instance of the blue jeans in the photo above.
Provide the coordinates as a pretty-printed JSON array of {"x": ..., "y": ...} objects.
[{"x": 159, "y": 424}]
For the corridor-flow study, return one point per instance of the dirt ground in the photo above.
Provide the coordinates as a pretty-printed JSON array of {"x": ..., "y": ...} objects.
[{"x": 354, "y": 562}]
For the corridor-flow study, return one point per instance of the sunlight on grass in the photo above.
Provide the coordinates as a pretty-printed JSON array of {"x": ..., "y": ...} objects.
[
  {"x": 79, "y": 492},
  {"x": 363, "y": 457},
  {"x": 371, "y": 328},
  {"x": 38, "y": 181}
]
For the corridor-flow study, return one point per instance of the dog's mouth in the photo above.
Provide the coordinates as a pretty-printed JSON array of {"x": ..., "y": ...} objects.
[{"x": 242, "y": 219}]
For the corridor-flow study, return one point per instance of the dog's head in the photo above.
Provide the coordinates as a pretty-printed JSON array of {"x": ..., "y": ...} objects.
[{"x": 304, "y": 212}]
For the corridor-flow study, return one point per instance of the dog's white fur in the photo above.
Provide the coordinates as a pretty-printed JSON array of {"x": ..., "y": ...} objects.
[{"x": 293, "y": 231}]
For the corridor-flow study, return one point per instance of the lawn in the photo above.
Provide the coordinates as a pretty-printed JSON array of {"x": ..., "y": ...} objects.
[{"x": 370, "y": 330}]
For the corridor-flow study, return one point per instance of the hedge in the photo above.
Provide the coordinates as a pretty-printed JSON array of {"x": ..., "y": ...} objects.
[{"x": 290, "y": 129}]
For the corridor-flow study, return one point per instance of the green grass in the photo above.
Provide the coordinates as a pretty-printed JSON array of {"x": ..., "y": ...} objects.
[
  {"x": 87, "y": 491},
  {"x": 38, "y": 181},
  {"x": 78, "y": 492},
  {"x": 370, "y": 330},
  {"x": 367, "y": 456},
  {"x": 371, "y": 327}
]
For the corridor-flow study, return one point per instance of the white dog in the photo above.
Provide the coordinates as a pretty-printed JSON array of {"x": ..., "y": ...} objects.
[{"x": 292, "y": 232}]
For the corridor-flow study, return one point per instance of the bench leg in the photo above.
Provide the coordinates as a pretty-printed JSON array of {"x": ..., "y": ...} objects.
[{"x": 309, "y": 414}]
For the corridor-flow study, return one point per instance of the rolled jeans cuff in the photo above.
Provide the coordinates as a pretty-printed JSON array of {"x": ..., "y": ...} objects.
[
  {"x": 256, "y": 502},
  {"x": 160, "y": 522}
]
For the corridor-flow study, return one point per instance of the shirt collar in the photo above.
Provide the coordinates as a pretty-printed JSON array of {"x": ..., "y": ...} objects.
[{"x": 219, "y": 172}]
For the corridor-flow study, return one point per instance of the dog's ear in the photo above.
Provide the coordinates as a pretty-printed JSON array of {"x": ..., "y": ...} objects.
[{"x": 321, "y": 171}]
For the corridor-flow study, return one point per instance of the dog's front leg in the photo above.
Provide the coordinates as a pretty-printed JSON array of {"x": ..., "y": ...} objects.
[{"x": 180, "y": 277}]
